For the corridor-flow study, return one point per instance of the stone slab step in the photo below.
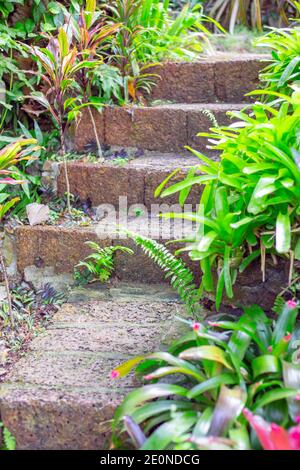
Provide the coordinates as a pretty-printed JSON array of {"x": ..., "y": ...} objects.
[
  {"x": 60, "y": 394},
  {"x": 162, "y": 128},
  {"x": 137, "y": 179},
  {"x": 61, "y": 248},
  {"x": 225, "y": 78}
]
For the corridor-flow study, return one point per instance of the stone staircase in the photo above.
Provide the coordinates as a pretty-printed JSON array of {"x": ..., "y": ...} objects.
[{"x": 59, "y": 395}]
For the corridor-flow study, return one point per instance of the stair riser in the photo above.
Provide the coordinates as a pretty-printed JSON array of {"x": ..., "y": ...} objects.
[
  {"x": 163, "y": 129},
  {"x": 106, "y": 184},
  {"x": 207, "y": 81},
  {"x": 63, "y": 248}
]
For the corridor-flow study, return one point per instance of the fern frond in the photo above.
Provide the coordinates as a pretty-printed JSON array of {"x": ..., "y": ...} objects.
[
  {"x": 210, "y": 116},
  {"x": 100, "y": 263},
  {"x": 180, "y": 276},
  {"x": 9, "y": 442},
  {"x": 278, "y": 305}
]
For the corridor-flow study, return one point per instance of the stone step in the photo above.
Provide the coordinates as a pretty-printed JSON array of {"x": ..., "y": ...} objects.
[
  {"x": 60, "y": 396},
  {"x": 162, "y": 128},
  {"x": 224, "y": 78},
  {"x": 59, "y": 249},
  {"x": 137, "y": 179}
]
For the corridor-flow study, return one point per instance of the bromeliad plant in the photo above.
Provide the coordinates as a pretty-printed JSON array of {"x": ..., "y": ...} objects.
[
  {"x": 216, "y": 370},
  {"x": 249, "y": 206}
]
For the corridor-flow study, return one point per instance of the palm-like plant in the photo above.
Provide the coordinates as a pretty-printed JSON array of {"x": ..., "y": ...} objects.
[
  {"x": 60, "y": 64},
  {"x": 217, "y": 369},
  {"x": 10, "y": 156},
  {"x": 252, "y": 12},
  {"x": 89, "y": 34}
]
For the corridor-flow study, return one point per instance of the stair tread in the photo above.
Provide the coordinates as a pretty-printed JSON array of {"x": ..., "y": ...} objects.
[
  {"x": 149, "y": 161},
  {"x": 64, "y": 382},
  {"x": 184, "y": 106}
]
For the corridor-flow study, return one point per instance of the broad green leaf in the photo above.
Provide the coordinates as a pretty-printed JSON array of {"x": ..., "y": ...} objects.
[
  {"x": 187, "y": 183},
  {"x": 210, "y": 353},
  {"x": 275, "y": 395},
  {"x": 170, "y": 431},
  {"x": 141, "y": 395},
  {"x": 283, "y": 233},
  {"x": 266, "y": 364},
  {"x": 63, "y": 43},
  {"x": 211, "y": 384},
  {"x": 285, "y": 323}
]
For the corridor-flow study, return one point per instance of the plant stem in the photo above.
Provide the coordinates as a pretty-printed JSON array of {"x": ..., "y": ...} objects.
[
  {"x": 100, "y": 154},
  {"x": 4, "y": 271},
  {"x": 63, "y": 151}
]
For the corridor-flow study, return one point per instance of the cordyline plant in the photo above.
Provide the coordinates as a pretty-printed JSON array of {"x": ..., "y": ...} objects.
[
  {"x": 11, "y": 156},
  {"x": 249, "y": 206},
  {"x": 89, "y": 34},
  {"x": 216, "y": 370},
  {"x": 60, "y": 64}
]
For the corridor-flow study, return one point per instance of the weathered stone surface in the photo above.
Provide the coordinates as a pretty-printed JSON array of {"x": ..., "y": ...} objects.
[
  {"x": 62, "y": 248},
  {"x": 39, "y": 277},
  {"x": 161, "y": 128},
  {"x": 60, "y": 395},
  {"x": 234, "y": 78},
  {"x": 185, "y": 82},
  {"x": 103, "y": 184},
  {"x": 43, "y": 419},
  {"x": 250, "y": 289},
  {"x": 137, "y": 180},
  {"x": 221, "y": 78},
  {"x": 57, "y": 247},
  {"x": 84, "y": 133}
]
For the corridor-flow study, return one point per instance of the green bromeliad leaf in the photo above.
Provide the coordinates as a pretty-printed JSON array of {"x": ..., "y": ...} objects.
[
  {"x": 283, "y": 233},
  {"x": 210, "y": 353}
]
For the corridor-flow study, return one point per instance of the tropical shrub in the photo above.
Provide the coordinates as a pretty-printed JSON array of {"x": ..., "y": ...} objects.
[
  {"x": 13, "y": 81},
  {"x": 202, "y": 384},
  {"x": 150, "y": 34},
  {"x": 249, "y": 206},
  {"x": 284, "y": 67},
  {"x": 59, "y": 65}
]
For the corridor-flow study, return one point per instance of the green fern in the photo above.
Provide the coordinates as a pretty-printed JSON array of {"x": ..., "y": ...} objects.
[
  {"x": 179, "y": 275},
  {"x": 99, "y": 265},
  {"x": 9, "y": 442}
]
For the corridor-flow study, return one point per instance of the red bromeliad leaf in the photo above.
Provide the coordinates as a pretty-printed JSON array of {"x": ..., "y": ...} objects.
[
  {"x": 262, "y": 429},
  {"x": 272, "y": 436}
]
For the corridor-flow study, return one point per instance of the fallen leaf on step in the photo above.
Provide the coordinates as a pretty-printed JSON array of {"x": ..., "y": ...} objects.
[{"x": 37, "y": 213}]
